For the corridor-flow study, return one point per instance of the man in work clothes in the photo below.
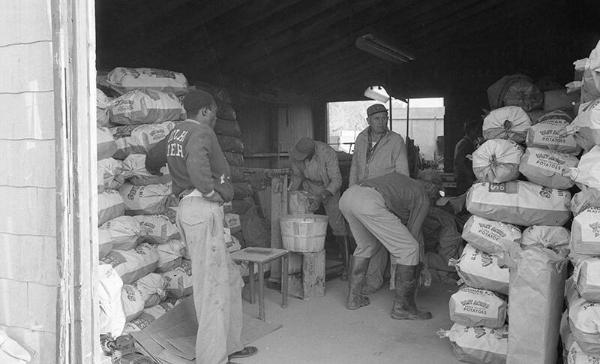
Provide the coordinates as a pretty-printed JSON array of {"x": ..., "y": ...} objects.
[
  {"x": 388, "y": 211},
  {"x": 463, "y": 164},
  {"x": 316, "y": 170},
  {"x": 200, "y": 177},
  {"x": 377, "y": 151}
]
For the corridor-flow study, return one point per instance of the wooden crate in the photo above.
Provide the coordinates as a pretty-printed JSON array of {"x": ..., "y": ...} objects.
[{"x": 310, "y": 282}]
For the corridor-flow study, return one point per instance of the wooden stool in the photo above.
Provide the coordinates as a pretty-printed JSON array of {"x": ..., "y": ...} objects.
[
  {"x": 310, "y": 282},
  {"x": 260, "y": 256}
]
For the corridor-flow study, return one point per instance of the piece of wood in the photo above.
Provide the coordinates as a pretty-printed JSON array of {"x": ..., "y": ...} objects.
[
  {"x": 261, "y": 291},
  {"x": 276, "y": 242},
  {"x": 284, "y": 280},
  {"x": 311, "y": 281}
]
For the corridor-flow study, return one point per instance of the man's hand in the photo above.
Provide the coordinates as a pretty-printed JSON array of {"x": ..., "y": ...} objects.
[
  {"x": 325, "y": 195},
  {"x": 215, "y": 197}
]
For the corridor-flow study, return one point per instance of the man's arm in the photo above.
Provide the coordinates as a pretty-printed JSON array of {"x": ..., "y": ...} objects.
[
  {"x": 332, "y": 166},
  {"x": 198, "y": 163},
  {"x": 401, "y": 157},
  {"x": 353, "y": 177},
  {"x": 297, "y": 177}
]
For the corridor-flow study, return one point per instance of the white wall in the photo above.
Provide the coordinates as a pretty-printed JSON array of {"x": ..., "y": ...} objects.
[{"x": 28, "y": 265}]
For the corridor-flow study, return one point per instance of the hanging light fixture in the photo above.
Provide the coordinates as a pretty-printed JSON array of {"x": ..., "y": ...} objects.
[{"x": 377, "y": 93}]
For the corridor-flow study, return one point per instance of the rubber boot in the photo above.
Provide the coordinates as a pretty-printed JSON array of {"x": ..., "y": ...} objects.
[
  {"x": 405, "y": 306},
  {"x": 342, "y": 243},
  {"x": 356, "y": 279}
]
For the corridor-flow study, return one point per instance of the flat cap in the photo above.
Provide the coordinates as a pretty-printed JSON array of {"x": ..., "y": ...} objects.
[
  {"x": 375, "y": 108},
  {"x": 303, "y": 148}
]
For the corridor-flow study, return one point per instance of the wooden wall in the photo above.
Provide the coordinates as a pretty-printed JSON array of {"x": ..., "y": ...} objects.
[{"x": 28, "y": 265}]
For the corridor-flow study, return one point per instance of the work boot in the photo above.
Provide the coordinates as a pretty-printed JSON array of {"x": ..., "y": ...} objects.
[
  {"x": 342, "y": 243},
  {"x": 405, "y": 306},
  {"x": 358, "y": 270}
]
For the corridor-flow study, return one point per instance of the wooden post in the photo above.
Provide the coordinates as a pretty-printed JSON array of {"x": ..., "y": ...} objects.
[
  {"x": 278, "y": 186},
  {"x": 311, "y": 281}
]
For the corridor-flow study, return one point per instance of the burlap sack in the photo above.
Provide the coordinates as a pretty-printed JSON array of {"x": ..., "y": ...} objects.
[
  {"x": 517, "y": 90},
  {"x": 548, "y": 168},
  {"x": 111, "y": 316},
  {"x": 110, "y": 174},
  {"x": 497, "y": 161},
  {"x": 241, "y": 190},
  {"x": 549, "y": 133},
  {"x": 586, "y": 198},
  {"x": 234, "y": 159},
  {"x": 587, "y": 173},
  {"x": 170, "y": 255},
  {"x": 110, "y": 206},
  {"x": 102, "y": 105},
  {"x": 577, "y": 356},
  {"x": 536, "y": 302},
  {"x": 584, "y": 321},
  {"x": 146, "y": 200},
  {"x": 509, "y": 122},
  {"x": 587, "y": 279},
  {"x": 124, "y": 79},
  {"x": 147, "y": 316},
  {"x": 179, "y": 280},
  {"x": 585, "y": 232},
  {"x": 480, "y": 270},
  {"x": 132, "y": 139},
  {"x": 121, "y": 233},
  {"x": 152, "y": 287},
  {"x": 106, "y": 144},
  {"x": 133, "y": 264},
  {"x": 550, "y": 237},
  {"x": 145, "y": 107},
  {"x": 158, "y": 227},
  {"x": 133, "y": 302},
  {"x": 479, "y": 344},
  {"x": 492, "y": 237},
  {"x": 477, "y": 307},
  {"x": 228, "y": 127},
  {"x": 519, "y": 203},
  {"x": 586, "y": 125},
  {"x": 230, "y": 144}
]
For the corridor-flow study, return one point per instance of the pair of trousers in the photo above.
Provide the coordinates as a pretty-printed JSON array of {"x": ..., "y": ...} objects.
[
  {"x": 375, "y": 227},
  {"x": 217, "y": 282}
]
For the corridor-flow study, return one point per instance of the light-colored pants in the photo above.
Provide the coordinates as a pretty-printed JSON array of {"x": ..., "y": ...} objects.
[
  {"x": 373, "y": 225},
  {"x": 331, "y": 206},
  {"x": 217, "y": 281}
]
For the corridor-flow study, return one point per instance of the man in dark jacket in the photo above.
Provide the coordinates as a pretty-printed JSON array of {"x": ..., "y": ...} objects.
[
  {"x": 463, "y": 165},
  {"x": 387, "y": 212},
  {"x": 200, "y": 177}
]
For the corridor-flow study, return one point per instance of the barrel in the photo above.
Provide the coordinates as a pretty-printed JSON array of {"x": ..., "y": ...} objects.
[{"x": 304, "y": 233}]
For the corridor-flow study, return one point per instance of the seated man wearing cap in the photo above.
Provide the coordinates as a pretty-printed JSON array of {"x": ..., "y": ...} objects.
[
  {"x": 377, "y": 151},
  {"x": 316, "y": 170},
  {"x": 387, "y": 213}
]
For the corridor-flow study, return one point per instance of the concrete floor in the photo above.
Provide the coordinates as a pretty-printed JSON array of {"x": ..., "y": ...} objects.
[{"x": 322, "y": 330}]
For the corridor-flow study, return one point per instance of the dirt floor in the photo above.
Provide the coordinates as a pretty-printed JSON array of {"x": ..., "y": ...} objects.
[{"x": 322, "y": 330}]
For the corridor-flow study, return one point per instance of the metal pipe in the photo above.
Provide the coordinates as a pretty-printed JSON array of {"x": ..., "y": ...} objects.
[{"x": 407, "y": 116}]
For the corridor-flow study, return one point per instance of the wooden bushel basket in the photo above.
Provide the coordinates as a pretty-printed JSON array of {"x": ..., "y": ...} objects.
[{"x": 304, "y": 233}]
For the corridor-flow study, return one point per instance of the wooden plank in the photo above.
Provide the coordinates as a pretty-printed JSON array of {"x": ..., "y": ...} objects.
[
  {"x": 27, "y": 115},
  {"x": 28, "y": 258},
  {"x": 27, "y": 210},
  {"x": 275, "y": 213},
  {"x": 30, "y": 163},
  {"x": 25, "y": 21},
  {"x": 30, "y": 67},
  {"x": 311, "y": 281}
]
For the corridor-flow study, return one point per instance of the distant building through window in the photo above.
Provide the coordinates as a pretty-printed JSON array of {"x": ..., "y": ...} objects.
[{"x": 426, "y": 124}]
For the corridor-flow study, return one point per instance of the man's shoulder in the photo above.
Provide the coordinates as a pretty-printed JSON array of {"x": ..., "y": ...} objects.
[{"x": 395, "y": 136}]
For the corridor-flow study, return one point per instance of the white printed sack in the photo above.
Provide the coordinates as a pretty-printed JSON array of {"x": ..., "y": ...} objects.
[
  {"x": 587, "y": 279},
  {"x": 152, "y": 287},
  {"x": 497, "y": 161},
  {"x": 587, "y": 173},
  {"x": 124, "y": 79},
  {"x": 158, "y": 227},
  {"x": 145, "y": 200},
  {"x": 121, "y": 233},
  {"x": 584, "y": 321},
  {"x": 179, "y": 280},
  {"x": 591, "y": 74},
  {"x": 133, "y": 264},
  {"x": 109, "y": 174},
  {"x": 111, "y": 316},
  {"x": 550, "y": 237},
  {"x": 145, "y": 107},
  {"x": 233, "y": 222},
  {"x": 147, "y": 316},
  {"x": 479, "y": 345},
  {"x": 135, "y": 172},
  {"x": 170, "y": 255},
  {"x": 586, "y": 198},
  {"x": 132, "y": 139},
  {"x": 102, "y": 105},
  {"x": 133, "y": 302},
  {"x": 548, "y": 168},
  {"x": 586, "y": 126},
  {"x": 477, "y": 307},
  {"x": 549, "y": 133},
  {"x": 509, "y": 122},
  {"x": 585, "y": 232},
  {"x": 480, "y": 270},
  {"x": 577, "y": 356},
  {"x": 492, "y": 237},
  {"x": 110, "y": 206},
  {"x": 106, "y": 144},
  {"x": 519, "y": 203}
]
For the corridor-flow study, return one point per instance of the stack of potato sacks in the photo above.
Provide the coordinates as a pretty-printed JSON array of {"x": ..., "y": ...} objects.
[
  {"x": 144, "y": 267},
  {"x": 580, "y": 329},
  {"x": 510, "y": 214}
]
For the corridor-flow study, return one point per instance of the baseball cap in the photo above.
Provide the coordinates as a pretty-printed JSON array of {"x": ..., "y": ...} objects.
[{"x": 302, "y": 149}]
